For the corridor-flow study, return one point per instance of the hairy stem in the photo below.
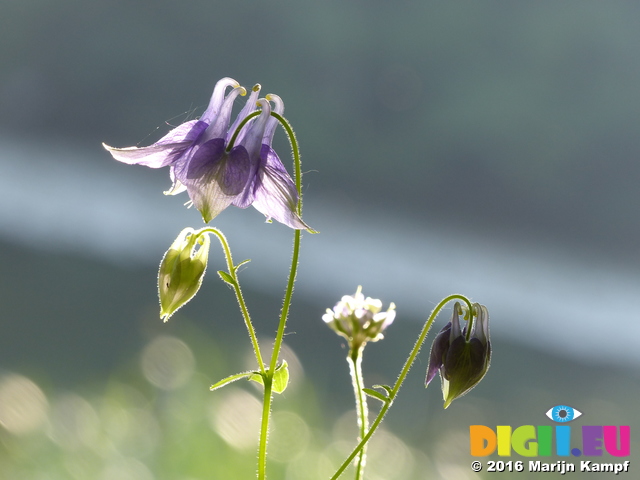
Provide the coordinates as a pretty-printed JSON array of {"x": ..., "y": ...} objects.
[
  {"x": 286, "y": 304},
  {"x": 236, "y": 286},
  {"x": 355, "y": 369},
  {"x": 403, "y": 373}
]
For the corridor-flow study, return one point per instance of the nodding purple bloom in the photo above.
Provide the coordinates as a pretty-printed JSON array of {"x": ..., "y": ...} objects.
[
  {"x": 250, "y": 173},
  {"x": 461, "y": 363}
]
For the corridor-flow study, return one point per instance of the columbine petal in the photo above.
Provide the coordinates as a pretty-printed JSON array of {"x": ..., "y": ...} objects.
[
  {"x": 165, "y": 151},
  {"x": 214, "y": 178},
  {"x": 276, "y": 194},
  {"x": 217, "y": 99},
  {"x": 438, "y": 352},
  {"x": 248, "y": 109},
  {"x": 250, "y": 140},
  {"x": 177, "y": 186},
  {"x": 270, "y": 129},
  {"x": 220, "y": 124}
]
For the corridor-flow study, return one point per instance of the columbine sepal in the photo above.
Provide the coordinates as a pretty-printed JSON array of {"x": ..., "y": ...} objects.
[
  {"x": 359, "y": 319},
  {"x": 461, "y": 363},
  {"x": 182, "y": 270}
]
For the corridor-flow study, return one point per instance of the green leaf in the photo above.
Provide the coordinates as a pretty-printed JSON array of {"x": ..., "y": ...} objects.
[
  {"x": 231, "y": 379},
  {"x": 385, "y": 387},
  {"x": 378, "y": 395},
  {"x": 256, "y": 377},
  {"x": 226, "y": 277},
  {"x": 281, "y": 377},
  {"x": 235, "y": 269}
]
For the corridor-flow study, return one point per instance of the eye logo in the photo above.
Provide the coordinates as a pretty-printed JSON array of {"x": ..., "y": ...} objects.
[{"x": 563, "y": 413}]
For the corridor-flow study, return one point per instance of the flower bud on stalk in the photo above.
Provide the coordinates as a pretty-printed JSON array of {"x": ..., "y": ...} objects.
[
  {"x": 182, "y": 270},
  {"x": 461, "y": 359}
]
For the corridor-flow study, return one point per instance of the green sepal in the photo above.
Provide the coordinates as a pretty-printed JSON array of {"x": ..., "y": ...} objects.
[
  {"x": 372, "y": 393},
  {"x": 226, "y": 277},
  {"x": 231, "y": 379},
  {"x": 235, "y": 269}
]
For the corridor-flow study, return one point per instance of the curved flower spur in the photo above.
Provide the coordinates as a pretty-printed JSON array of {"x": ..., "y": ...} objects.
[{"x": 214, "y": 171}]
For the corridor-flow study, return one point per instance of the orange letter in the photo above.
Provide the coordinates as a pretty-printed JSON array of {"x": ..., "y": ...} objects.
[{"x": 478, "y": 435}]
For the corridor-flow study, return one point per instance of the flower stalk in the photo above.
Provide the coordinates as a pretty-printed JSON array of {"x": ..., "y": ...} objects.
[
  {"x": 235, "y": 283},
  {"x": 268, "y": 380},
  {"x": 355, "y": 369},
  {"x": 393, "y": 392}
]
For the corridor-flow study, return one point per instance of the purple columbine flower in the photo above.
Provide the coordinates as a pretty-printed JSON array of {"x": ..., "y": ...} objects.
[
  {"x": 461, "y": 363},
  {"x": 250, "y": 173}
]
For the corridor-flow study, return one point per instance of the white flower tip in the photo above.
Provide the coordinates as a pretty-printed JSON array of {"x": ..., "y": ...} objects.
[
  {"x": 227, "y": 82},
  {"x": 277, "y": 101},
  {"x": 256, "y": 87}
]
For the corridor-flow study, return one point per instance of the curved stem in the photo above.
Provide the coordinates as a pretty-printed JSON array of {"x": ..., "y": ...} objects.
[
  {"x": 268, "y": 377},
  {"x": 401, "y": 377},
  {"x": 355, "y": 368},
  {"x": 297, "y": 164},
  {"x": 423, "y": 335},
  {"x": 236, "y": 286},
  {"x": 244, "y": 121}
]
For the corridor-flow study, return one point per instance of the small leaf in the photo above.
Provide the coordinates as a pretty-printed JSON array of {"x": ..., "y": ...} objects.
[
  {"x": 378, "y": 395},
  {"x": 281, "y": 377},
  {"x": 256, "y": 377},
  {"x": 231, "y": 379},
  {"x": 385, "y": 387},
  {"x": 226, "y": 277},
  {"x": 235, "y": 269}
]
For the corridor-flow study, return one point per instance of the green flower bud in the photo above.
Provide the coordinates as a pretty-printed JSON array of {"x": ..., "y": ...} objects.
[{"x": 182, "y": 270}]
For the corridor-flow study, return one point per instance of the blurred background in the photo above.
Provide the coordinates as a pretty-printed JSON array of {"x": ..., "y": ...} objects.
[{"x": 483, "y": 148}]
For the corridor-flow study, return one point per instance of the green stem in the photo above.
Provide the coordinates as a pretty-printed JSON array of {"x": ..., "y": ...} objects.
[
  {"x": 236, "y": 286},
  {"x": 268, "y": 377},
  {"x": 355, "y": 368},
  {"x": 401, "y": 377},
  {"x": 264, "y": 427},
  {"x": 244, "y": 121}
]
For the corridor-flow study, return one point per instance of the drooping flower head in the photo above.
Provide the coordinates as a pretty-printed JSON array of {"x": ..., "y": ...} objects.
[
  {"x": 359, "y": 319},
  {"x": 216, "y": 176},
  {"x": 462, "y": 362}
]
